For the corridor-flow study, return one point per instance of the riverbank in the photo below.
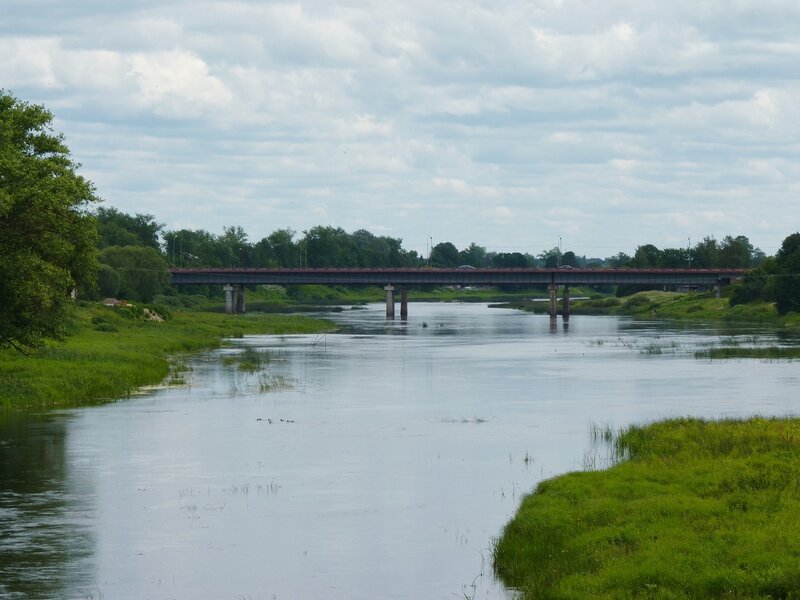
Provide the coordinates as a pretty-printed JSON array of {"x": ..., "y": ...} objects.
[
  {"x": 696, "y": 510},
  {"x": 112, "y": 352},
  {"x": 691, "y": 306}
]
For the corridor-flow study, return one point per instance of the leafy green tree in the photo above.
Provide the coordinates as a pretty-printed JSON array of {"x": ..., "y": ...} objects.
[
  {"x": 108, "y": 281},
  {"x": 647, "y": 256},
  {"x": 735, "y": 252},
  {"x": 620, "y": 261},
  {"x": 674, "y": 258},
  {"x": 191, "y": 248},
  {"x": 444, "y": 254},
  {"x": 550, "y": 259},
  {"x": 120, "y": 229},
  {"x": 510, "y": 260},
  {"x": 47, "y": 235},
  {"x": 472, "y": 255},
  {"x": 569, "y": 259},
  {"x": 142, "y": 271},
  {"x": 787, "y": 276},
  {"x": 232, "y": 248},
  {"x": 705, "y": 255},
  {"x": 758, "y": 284},
  {"x": 279, "y": 248},
  {"x": 327, "y": 247},
  {"x": 370, "y": 250}
]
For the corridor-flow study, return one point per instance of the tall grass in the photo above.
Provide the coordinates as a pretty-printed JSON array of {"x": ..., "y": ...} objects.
[
  {"x": 696, "y": 509},
  {"x": 109, "y": 354}
]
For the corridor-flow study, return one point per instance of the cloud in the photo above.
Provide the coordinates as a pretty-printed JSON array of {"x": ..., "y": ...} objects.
[{"x": 626, "y": 123}]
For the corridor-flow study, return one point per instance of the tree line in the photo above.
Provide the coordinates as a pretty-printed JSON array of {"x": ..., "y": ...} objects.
[{"x": 55, "y": 239}]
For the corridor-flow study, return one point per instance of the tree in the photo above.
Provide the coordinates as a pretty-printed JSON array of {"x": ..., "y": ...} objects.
[
  {"x": 472, "y": 255},
  {"x": 327, "y": 247},
  {"x": 705, "y": 255},
  {"x": 444, "y": 255},
  {"x": 142, "y": 271},
  {"x": 550, "y": 259},
  {"x": 47, "y": 235},
  {"x": 509, "y": 260},
  {"x": 735, "y": 252},
  {"x": 120, "y": 229},
  {"x": 647, "y": 256},
  {"x": 569, "y": 259},
  {"x": 787, "y": 280}
]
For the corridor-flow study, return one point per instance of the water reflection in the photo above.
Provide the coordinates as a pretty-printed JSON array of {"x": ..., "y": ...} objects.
[
  {"x": 45, "y": 548},
  {"x": 377, "y": 463}
]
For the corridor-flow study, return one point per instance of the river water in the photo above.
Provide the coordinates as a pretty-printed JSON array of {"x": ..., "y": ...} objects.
[{"x": 375, "y": 463}]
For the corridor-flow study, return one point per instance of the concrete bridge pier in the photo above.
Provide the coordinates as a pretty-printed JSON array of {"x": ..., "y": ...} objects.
[
  {"x": 234, "y": 299},
  {"x": 565, "y": 303},
  {"x": 389, "y": 301},
  {"x": 404, "y": 304},
  {"x": 553, "y": 300},
  {"x": 230, "y": 307}
]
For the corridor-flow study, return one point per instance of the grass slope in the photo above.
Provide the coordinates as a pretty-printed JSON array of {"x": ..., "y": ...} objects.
[
  {"x": 111, "y": 354},
  {"x": 697, "y": 510}
]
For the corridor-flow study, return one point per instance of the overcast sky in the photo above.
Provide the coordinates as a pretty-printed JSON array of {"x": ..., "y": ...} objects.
[{"x": 607, "y": 123}]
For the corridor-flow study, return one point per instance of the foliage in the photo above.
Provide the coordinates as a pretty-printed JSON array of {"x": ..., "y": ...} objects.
[
  {"x": 142, "y": 271},
  {"x": 108, "y": 281},
  {"x": 787, "y": 271},
  {"x": 444, "y": 254},
  {"x": 756, "y": 285},
  {"x": 698, "y": 510},
  {"x": 115, "y": 351},
  {"x": 47, "y": 236},
  {"x": 116, "y": 228}
]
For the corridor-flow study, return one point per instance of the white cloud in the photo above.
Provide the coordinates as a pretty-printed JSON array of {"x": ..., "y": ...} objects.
[{"x": 650, "y": 119}]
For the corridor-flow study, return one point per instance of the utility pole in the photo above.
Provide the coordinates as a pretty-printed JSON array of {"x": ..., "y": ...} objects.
[
  {"x": 559, "y": 252},
  {"x": 689, "y": 252}
]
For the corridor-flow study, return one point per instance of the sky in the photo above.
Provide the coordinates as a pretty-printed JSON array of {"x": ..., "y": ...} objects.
[{"x": 603, "y": 124}]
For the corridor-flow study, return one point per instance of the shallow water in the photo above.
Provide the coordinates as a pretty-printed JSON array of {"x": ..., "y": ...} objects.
[{"x": 376, "y": 463}]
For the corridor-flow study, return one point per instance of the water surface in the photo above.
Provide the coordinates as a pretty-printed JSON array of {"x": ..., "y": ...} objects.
[{"x": 375, "y": 463}]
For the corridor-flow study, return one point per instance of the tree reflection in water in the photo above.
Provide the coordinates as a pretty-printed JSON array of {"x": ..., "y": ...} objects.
[{"x": 45, "y": 552}]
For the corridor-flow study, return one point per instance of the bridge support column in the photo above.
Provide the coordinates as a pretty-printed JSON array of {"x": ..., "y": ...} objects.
[
  {"x": 404, "y": 304},
  {"x": 565, "y": 303},
  {"x": 389, "y": 301},
  {"x": 239, "y": 300},
  {"x": 553, "y": 300},
  {"x": 230, "y": 307}
]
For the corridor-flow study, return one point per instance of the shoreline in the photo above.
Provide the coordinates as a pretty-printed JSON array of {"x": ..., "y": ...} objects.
[
  {"x": 692, "y": 509},
  {"x": 110, "y": 354}
]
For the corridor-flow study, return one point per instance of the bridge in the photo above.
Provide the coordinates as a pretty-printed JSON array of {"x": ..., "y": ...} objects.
[{"x": 398, "y": 279}]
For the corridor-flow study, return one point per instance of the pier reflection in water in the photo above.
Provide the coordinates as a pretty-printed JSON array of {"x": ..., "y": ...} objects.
[{"x": 379, "y": 462}]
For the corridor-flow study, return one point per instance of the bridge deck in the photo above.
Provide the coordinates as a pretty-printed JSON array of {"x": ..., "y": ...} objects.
[{"x": 422, "y": 276}]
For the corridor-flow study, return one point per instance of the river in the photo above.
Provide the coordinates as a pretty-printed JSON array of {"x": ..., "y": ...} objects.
[{"x": 375, "y": 463}]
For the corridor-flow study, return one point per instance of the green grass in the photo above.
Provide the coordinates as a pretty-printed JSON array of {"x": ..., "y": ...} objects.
[
  {"x": 110, "y": 354},
  {"x": 691, "y": 306},
  {"x": 762, "y": 352},
  {"x": 696, "y": 509}
]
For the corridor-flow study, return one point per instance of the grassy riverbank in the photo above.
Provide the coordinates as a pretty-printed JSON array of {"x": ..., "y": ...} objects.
[
  {"x": 110, "y": 353},
  {"x": 672, "y": 305},
  {"x": 697, "y": 510}
]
